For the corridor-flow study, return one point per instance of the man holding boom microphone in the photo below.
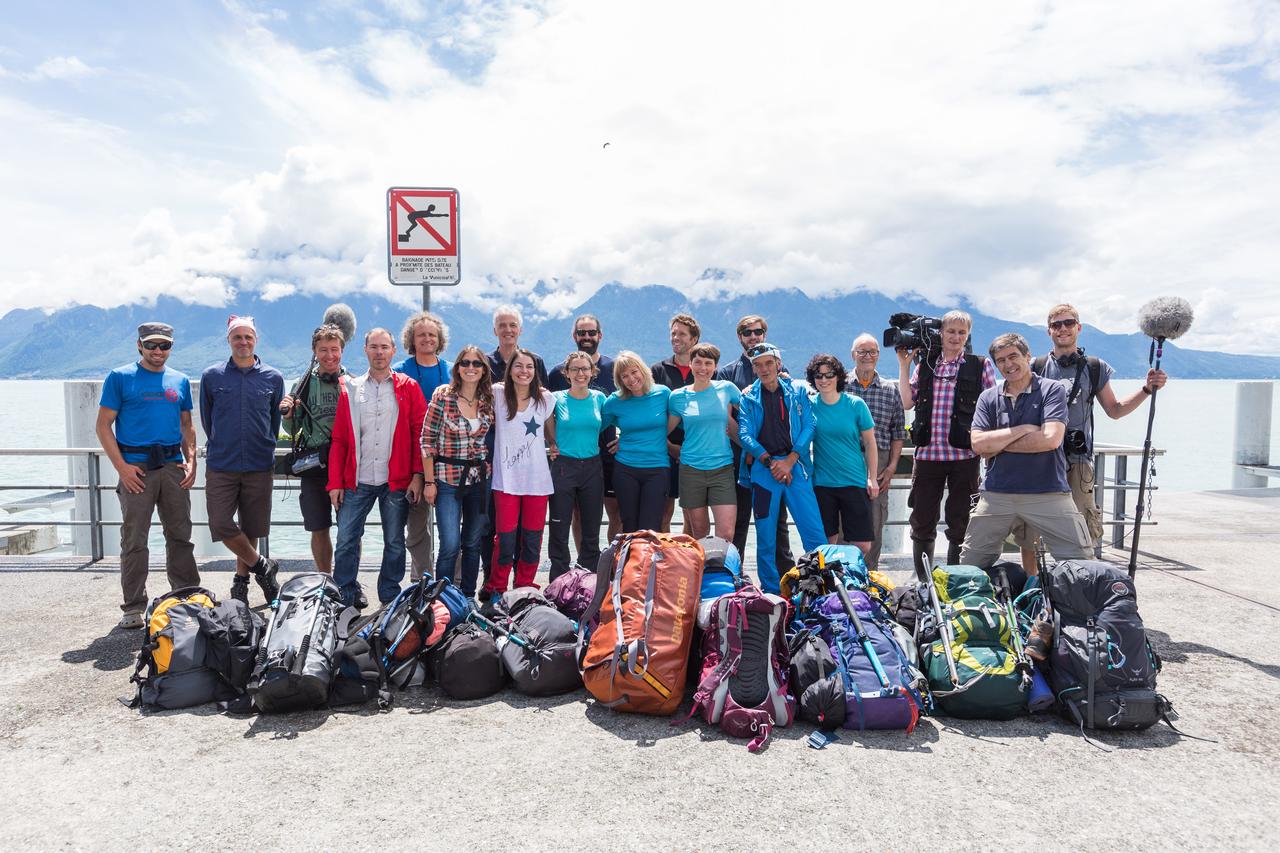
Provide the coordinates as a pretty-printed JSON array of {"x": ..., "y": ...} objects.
[{"x": 308, "y": 412}]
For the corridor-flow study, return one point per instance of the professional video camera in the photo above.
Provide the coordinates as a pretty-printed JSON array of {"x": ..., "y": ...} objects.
[{"x": 913, "y": 332}]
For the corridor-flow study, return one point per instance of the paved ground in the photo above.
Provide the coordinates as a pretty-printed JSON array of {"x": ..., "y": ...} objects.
[{"x": 79, "y": 770}]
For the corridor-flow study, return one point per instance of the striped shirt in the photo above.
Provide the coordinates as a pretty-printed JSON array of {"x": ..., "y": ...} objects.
[
  {"x": 944, "y": 396},
  {"x": 885, "y": 403},
  {"x": 445, "y": 432}
]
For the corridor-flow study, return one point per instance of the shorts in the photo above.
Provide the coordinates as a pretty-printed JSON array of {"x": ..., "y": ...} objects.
[
  {"x": 673, "y": 480},
  {"x": 313, "y": 500},
  {"x": 846, "y": 511},
  {"x": 1080, "y": 481},
  {"x": 243, "y": 495},
  {"x": 699, "y": 489}
]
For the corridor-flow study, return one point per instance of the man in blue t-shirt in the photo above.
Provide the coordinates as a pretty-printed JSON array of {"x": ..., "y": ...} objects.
[
  {"x": 145, "y": 428},
  {"x": 1018, "y": 428}
]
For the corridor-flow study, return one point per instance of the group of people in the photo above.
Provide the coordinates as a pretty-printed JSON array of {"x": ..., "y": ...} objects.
[{"x": 494, "y": 450}]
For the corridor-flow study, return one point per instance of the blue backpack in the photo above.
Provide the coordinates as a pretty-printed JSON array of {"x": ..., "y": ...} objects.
[
  {"x": 722, "y": 568},
  {"x": 403, "y": 632}
]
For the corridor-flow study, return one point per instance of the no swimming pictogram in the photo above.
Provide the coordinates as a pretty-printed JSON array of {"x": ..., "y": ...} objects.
[{"x": 422, "y": 235}]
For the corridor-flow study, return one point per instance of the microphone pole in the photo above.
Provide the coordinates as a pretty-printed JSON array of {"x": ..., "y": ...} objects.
[{"x": 1156, "y": 353}]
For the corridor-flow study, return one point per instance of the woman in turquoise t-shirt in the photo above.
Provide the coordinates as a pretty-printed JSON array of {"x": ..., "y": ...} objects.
[
  {"x": 705, "y": 409},
  {"x": 639, "y": 410},
  {"x": 844, "y": 450},
  {"x": 577, "y": 473}
]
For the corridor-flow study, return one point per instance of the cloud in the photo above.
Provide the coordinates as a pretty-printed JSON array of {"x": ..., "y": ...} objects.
[
  {"x": 55, "y": 68},
  {"x": 1031, "y": 154}
]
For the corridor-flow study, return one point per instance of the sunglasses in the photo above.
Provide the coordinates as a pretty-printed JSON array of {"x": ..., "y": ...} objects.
[
  {"x": 824, "y": 376},
  {"x": 752, "y": 333},
  {"x": 587, "y": 333},
  {"x": 1063, "y": 324},
  {"x": 163, "y": 346},
  {"x": 761, "y": 349},
  {"x": 464, "y": 363}
]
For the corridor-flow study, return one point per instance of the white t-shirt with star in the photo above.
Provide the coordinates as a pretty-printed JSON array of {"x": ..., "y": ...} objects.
[{"x": 520, "y": 464}]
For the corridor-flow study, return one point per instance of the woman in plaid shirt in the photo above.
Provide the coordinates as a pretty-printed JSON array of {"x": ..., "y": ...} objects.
[{"x": 459, "y": 418}]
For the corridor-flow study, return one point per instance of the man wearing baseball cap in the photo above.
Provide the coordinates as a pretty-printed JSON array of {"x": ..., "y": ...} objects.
[
  {"x": 240, "y": 412},
  {"x": 775, "y": 428},
  {"x": 145, "y": 428}
]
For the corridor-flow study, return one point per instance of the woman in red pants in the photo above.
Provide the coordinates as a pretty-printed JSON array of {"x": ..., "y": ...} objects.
[{"x": 524, "y": 424}]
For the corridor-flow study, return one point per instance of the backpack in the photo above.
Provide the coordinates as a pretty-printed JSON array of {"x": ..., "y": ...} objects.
[
  {"x": 721, "y": 568},
  {"x": 196, "y": 650},
  {"x": 882, "y": 688},
  {"x": 539, "y": 648},
  {"x": 297, "y": 661},
  {"x": 815, "y": 679},
  {"x": 988, "y": 683},
  {"x": 572, "y": 591},
  {"x": 636, "y": 657},
  {"x": 845, "y": 560},
  {"x": 467, "y": 664},
  {"x": 744, "y": 667},
  {"x": 413, "y": 623},
  {"x": 1102, "y": 667}
]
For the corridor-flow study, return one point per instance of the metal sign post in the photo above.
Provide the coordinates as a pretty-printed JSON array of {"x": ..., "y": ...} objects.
[{"x": 423, "y": 245}]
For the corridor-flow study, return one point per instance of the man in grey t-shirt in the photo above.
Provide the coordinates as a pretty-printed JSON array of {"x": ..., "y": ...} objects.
[{"x": 1069, "y": 364}]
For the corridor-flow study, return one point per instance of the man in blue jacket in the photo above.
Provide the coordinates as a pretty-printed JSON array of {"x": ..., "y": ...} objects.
[{"x": 775, "y": 427}]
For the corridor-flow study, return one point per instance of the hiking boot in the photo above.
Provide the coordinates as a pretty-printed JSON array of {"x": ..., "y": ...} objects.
[
  {"x": 361, "y": 601},
  {"x": 953, "y": 554},
  {"x": 240, "y": 588},
  {"x": 131, "y": 621},
  {"x": 266, "y": 578},
  {"x": 1040, "y": 640}
]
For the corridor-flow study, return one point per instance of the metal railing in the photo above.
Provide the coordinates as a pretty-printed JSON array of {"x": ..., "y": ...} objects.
[{"x": 1111, "y": 477}]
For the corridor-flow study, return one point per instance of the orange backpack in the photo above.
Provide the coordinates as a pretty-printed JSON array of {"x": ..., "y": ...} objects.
[{"x": 646, "y": 599}]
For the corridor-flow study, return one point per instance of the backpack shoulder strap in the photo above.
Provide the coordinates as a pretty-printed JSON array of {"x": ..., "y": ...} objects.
[
  {"x": 1095, "y": 375},
  {"x": 1038, "y": 365}
]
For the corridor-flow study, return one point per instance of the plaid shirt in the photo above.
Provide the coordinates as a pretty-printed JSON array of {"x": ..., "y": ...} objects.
[
  {"x": 885, "y": 403},
  {"x": 445, "y": 432},
  {"x": 944, "y": 395}
]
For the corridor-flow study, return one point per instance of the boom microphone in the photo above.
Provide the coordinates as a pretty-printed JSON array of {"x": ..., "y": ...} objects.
[
  {"x": 1165, "y": 318},
  {"x": 340, "y": 314}
]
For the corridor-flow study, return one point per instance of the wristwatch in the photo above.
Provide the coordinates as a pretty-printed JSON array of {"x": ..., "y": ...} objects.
[{"x": 1146, "y": 390}]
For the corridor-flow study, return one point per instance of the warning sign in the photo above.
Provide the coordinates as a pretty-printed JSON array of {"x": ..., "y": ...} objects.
[{"x": 422, "y": 236}]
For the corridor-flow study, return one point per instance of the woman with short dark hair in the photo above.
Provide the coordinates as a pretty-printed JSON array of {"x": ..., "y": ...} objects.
[
  {"x": 844, "y": 452},
  {"x": 705, "y": 410}
]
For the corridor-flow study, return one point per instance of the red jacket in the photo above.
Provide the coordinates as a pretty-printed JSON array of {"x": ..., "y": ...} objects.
[{"x": 406, "y": 447}]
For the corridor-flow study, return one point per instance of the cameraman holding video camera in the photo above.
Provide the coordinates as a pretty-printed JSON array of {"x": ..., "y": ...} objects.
[
  {"x": 943, "y": 389},
  {"x": 308, "y": 412}
]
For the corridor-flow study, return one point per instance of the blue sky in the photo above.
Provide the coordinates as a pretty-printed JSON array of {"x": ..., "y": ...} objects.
[{"x": 1015, "y": 154}]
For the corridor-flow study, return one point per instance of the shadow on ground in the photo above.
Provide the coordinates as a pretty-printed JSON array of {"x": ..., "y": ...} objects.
[
  {"x": 115, "y": 650},
  {"x": 1175, "y": 652}
]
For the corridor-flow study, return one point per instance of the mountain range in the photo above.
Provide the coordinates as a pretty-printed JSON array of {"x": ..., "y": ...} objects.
[{"x": 86, "y": 341}]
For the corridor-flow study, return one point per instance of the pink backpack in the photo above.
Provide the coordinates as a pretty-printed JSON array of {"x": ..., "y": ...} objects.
[
  {"x": 571, "y": 592},
  {"x": 744, "y": 687}
]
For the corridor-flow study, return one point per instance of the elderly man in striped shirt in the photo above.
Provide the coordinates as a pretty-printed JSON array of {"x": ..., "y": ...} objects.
[
  {"x": 882, "y": 398},
  {"x": 943, "y": 389}
]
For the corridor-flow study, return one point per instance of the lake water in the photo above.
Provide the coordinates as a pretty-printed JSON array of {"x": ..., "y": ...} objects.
[{"x": 1195, "y": 425}]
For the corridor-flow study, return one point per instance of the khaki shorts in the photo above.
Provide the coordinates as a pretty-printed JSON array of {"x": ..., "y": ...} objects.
[
  {"x": 699, "y": 489},
  {"x": 1080, "y": 479},
  {"x": 242, "y": 495},
  {"x": 1060, "y": 524}
]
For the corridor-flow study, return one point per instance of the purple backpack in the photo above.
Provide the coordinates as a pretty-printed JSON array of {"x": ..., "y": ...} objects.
[
  {"x": 743, "y": 689},
  {"x": 571, "y": 592}
]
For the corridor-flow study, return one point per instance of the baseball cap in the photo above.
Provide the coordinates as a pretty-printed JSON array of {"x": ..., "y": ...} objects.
[
  {"x": 234, "y": 322},
  {"x": 155, "y": 332},
  {"x": 761, "y": 350}
]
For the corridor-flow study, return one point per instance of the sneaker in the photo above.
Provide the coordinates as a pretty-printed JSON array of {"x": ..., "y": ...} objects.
[
  {"x": 266, "y": 578},
  {"x": 131, "y": 621},
  {"x": 361, "y": 600},
  {"x": 240, "y": 588}
]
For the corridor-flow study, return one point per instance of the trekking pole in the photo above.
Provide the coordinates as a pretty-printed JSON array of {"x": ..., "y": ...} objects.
[
  {"x": 495, "y": 627},
  {"x": 859, "y": 631},
  {"x": 1015, "y": 634},
  {"x": 944, "y": 627}
]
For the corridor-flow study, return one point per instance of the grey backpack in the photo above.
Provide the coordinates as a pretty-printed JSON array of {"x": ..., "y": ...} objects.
[{"x": 297, "y": 661}]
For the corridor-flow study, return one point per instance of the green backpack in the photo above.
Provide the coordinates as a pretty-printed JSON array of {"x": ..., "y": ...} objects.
[{"x": 988, "y": 684}]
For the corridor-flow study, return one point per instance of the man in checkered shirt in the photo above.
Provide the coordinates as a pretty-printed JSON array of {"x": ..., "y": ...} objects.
[
  {"x": 882, "y": 398},
  {"x": 944, "y": 398}
]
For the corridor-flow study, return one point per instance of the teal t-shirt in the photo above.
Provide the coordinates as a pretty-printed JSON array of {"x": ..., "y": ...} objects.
[
  {"x": 704, "y": 415},
  {"x": 578, "y": 424},
  {"x": 837, "y": 443},
  {"x": 642, "y": 427}
]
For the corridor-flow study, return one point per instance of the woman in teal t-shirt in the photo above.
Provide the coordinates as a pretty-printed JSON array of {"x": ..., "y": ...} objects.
[
  {"x": 639, "y": 410},
  {"x": 705, "y": 409},
  {"x": 844, "y": 450},
  {"x": 577, "y": 473}
]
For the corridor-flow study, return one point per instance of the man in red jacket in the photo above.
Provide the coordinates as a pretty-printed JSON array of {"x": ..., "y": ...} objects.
[{"x": 375, "y": 458}]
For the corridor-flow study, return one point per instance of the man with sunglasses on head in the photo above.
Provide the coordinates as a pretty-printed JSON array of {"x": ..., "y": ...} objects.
[
  {"x": 588, "y": 334},
  {"x": 1087, "y": 378},
  {"x": 752, "y": 331},
  {"x": 153, "y": 449}
]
